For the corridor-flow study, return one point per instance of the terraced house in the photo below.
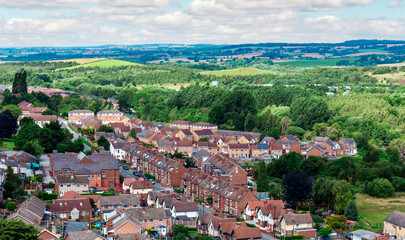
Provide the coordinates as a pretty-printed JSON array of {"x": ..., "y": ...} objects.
[{"x": 77, "y": 116}]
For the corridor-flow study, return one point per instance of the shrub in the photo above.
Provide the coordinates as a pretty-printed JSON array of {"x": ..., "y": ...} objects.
[{"x": 380, "y": 187}]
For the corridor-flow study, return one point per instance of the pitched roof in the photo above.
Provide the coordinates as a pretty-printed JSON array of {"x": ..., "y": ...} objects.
[
  {"x": 83, "y": 235},
  {"x": 203, "y": 132},
  {"x": 30, "y": 209},
  {"x": 365, "y": 235},
  {"x": 141, "y": 185},
  {"x": 397, "y": 218},
  {"x": 292, "y": 218},
  {"x": 98, "y": 162},
  {"x": 73, "y": 179},
  {"x": 148, "y": 213},
  {"x": 205, "y": 218},
  {"x": 73, "y": 194},
  {"x": 81, "y": 112},
  {"x": 180, "y": 122},
  {"x": 348, "y": 141},
  {"x": 244, "y": 232},
  {"x": 216, "y": 221},
  {"x": 67, "y": 205},
  {"x": 109, "y": 112},
  {"x": 122, "y": 199},
  {"x": 185, "y": 206},
  {"x": 236, "y": 133},
  {"x": 239, "y": 146},
  {"x": 291, "y": 138},
  {"x": 184, "y": 143},
  {"x": 186, "y": 132}
]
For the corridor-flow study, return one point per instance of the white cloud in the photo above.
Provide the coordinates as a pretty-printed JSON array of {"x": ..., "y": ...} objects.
[
  {"x": 396, "y": 4},
  {"x": 47, "y": 4}
]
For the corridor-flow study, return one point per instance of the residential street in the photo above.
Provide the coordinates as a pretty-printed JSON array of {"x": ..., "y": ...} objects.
[{"x": 75, "y": 135}]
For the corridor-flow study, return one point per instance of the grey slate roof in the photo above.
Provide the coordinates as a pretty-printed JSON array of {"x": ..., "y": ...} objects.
[
  {"x": 148, "y": 213},
  {"x": 122, "y": 199},
  {"x": 397, "y": 218},
  {"x": 365, "y": 235},
  {"x": 101, "y": 161},
  {"x": 236, "y": 133},
  {"x": 83, "y": 235}
]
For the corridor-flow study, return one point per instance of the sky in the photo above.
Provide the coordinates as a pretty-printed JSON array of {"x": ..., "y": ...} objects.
[{"x": 48, "y": 23}]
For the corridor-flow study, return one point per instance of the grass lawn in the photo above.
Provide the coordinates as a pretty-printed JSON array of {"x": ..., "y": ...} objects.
[
  {"x": 238, "y": 72},
  {"x": 8, "y": 144},
  {"x": 375, "y": 210},
  {"x": 80, "y": 60},
  {"x": 316, "y": 62},
  {"x": 104, "y": 63},
  {"x": 73, "y": 129},
  {"x": 86, "y": 142}
]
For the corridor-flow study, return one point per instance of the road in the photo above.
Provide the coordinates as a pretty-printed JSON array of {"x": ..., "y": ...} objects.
[
  {"x": 44, "y": 162},
  {"x": 158, "y": 187},
  {"x": 268, "y": 237},
  {"x": 75, "y": 135}
]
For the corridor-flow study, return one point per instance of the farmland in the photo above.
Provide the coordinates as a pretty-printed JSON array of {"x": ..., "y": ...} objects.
[
  {"x": 238, "y": 72},
  {"x": 316, "y": 62},
  {"x": 375, "y": 210},
  {"x": 104, "y": 64}
]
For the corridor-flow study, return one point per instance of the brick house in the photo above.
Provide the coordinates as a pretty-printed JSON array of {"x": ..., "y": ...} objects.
[
  {"x": 184, "y": 134},
  {"x": 259, "y": 150},
  {"x": 317, "y": 150},
  {"x": 207, "y": 146},
  {"x": 276, "y": 150},
  {"x": 109, "y": 116},
  {"x": 72, "y": 209},
  {"x": 166, "y": 146},
  {"x": 239, "y": 150},
  {"x": 290, "y": 145},
  {"x": 47, "y": 235},
  {"x": 349, "y": 145},
  {"x": 185, "y": 147},
  {"x": 100, "y": 168},
  {"x": 204, "y": 133},
  {"x": 77, "y": 116},
  {"x": 122, "y": 201},
  {"x": 246, "y": 139}
]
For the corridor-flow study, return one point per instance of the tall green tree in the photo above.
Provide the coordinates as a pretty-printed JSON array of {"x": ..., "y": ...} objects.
[
  {"x": 8, "y": 125},
  {"x": 33, "y": 147},
  {"x": 297, "y": 187},
  {"x": 343, "y": 195},
  {"x": 308, "y": 111},
  {"x": 351, "y": 211},
  {"x": 17, "y": 229}
]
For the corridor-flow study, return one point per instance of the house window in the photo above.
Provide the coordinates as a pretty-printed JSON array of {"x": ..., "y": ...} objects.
[
  {"x": 68, "y": 185},
  {"x": 160, "y": 219},
  {"x": 65, "y": 172},
  {"x": 150, "y": 220},
  {"x": 74, "y": 214},
  {"x": 103, "y": 174},
  {"x": 125, "y": 206},
  {"x": 92, "y": 177},
  {"x": 61, "y": 185}
]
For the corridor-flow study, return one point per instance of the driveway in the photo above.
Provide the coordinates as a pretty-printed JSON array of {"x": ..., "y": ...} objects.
[{"x": 44, "y": 162}]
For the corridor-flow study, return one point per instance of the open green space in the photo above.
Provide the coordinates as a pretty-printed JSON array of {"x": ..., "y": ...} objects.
[
  {"x": 375, "y": 210},
  {"x": 8, "y": 144},
  {"x": 316, "y": 62},
  {"x": 104, "y": 64}
]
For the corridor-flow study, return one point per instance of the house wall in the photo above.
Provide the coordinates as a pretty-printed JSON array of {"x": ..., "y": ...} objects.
[
  {"x": 127, "y": 228},
  {"x": 62, "y": 189},
  {"x": 393, "y": 230},
  {"x": 46, "y": 235}
]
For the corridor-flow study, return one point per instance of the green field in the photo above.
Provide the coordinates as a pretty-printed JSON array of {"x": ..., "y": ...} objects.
[
  {"x": 104, "y": 63},
  {"x": 8, "y": 144},
  {"x": 315, "y": 62},
  {"x": 238, "y": 72},
  {"x": 375, "y": 210}
]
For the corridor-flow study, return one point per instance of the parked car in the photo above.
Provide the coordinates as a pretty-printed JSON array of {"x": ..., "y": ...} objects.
[
  {"x": 119, "y": 164},
  {"x": 153, "y": 181},
  {"x": 125, "y": 167},
  {"x": 135, "y": 173}
]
